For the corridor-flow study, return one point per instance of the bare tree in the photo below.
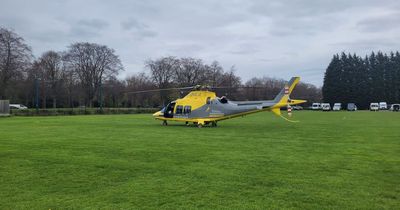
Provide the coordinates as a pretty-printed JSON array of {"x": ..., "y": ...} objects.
[
  {"x": 15, "y": 57},
  {"x": 71, "y": 86},
  {"x": 92, "y": 63},
  {"x": 307, "y": 91},
  {"x": 233, "y": 82},
  {"x": 138, "y": 82},
  {"x": 52, "y": 67},
  {"x": 163, "y": 70},
  {"x": 254, "y": 89},
  {"x": 162, "y": 73},
  {"x": 215, "y": 73},
  {"x": 113, "y": 92},
  {"x": 262, "y": 88},
  {"x": 190, "y": 72}
]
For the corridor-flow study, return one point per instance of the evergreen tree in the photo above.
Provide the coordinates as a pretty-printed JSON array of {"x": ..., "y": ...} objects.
[
  {"x": 350, "y": 78},
  {"x": 381, "y": 77},
  {"x": 344, "y": 85},
  {"x": 360, "y": 82},
  {"x": 390, "y": 79},
  {"x": 331, "y": 86},
  {"x": 396, "y": 78}
]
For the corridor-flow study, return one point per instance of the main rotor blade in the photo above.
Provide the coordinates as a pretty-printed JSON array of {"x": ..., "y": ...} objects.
[
  {"x": 241, "y": 87},
  {"x": 192, "y": 87},
  {"x": 156, "y": 90}
]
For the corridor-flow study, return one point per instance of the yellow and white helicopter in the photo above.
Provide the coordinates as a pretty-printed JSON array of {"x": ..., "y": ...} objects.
[{"x": 203, "y": 107}]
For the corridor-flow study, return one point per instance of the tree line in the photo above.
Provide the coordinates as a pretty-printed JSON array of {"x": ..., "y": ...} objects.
[
  {"x": 374, "y": 78},
  {"x": 85, "y": 74}
]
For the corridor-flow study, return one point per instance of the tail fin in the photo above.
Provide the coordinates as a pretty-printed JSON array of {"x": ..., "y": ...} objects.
[
  {"x": 283, "y": 96},
  {"x": 282, "y": 99}
]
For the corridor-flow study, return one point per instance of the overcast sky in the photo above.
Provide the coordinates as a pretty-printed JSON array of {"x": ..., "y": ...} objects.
[{"x": 279, "y": 38}]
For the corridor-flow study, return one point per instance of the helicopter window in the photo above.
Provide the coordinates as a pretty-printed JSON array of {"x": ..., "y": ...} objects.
[
  {"x": 223, "y": 100},
  {"x": 187, "y": 110},
  {"x": 169, "y": 109},
  {"x": 179, "y": 109},
  {"x": 208, "y": 101}
]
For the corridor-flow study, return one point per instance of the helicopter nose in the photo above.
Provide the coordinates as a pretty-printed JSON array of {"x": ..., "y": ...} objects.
[{"x": 157, "y": 114}]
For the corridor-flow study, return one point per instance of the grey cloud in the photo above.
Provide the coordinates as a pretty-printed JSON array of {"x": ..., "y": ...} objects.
[
  {"x": 369, "y": 44},
  {"x": 186, "y": 48},
  {"x": 88, "y": 28},
  {"x": 245, "y": 49},
  {"x": 313, "y": 8},
  {"x": 382, "y": 23},
  {"x": 297, "y": 8},
  {"x": 83, "y": 32},
  {"x": 260, "y": 37},
  {"x": 139, "y": 30},
  {"x": 93, "y": 23},
  {"x": 311, "y": 71},
  {"x": 302, "y": 25},
  {"x": 49, "y": 36},
  {"x": 148, "y": 33},
  {"x": 268, "y": 59},
  {"x": 293, "y": 17},
  {"x": 133, "y": 24},
  {"x": 15, "y": 22}
]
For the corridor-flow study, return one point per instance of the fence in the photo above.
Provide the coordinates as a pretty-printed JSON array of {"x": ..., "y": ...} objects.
[{"x": 4, "y": 108}]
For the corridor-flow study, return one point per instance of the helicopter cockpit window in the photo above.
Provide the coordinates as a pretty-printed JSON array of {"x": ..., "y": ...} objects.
[
  {"x": 179, "y": 109},
  {"x": 169, "y": 109},
  {"x": 208, "y": 101},
  {"x": 187, "y": 110},
  {"x": 223, "y": 100}
]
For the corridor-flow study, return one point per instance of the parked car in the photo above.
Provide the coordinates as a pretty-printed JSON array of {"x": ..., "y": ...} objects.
[
  {"x": 337, "y": 107},
  {"x": 17, "y": 106},
  {"x": 326, "y": 107},
  {"x": 383, "y": 105},
  {"x": 395, "y": 107},
  {"x": 297, "y": 107},
  {"x": 374, "y": 107},
  {"x": 316, "y": 106},
  {"x": 351, "y": 107}
]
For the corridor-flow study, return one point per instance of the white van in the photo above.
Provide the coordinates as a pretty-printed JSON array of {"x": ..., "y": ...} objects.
[
  {"x": 17, "y": 106},
  {"x": 382, "y": 105},
  {"x": 374, "y": 107},
  {"x": 326, "y": 107},
  {"x": 337, "y": 107},
  {"x": 316, "y": 106}
]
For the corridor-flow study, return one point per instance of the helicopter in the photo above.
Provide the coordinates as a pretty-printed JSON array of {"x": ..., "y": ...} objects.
[{"x": 201, "y": 106}]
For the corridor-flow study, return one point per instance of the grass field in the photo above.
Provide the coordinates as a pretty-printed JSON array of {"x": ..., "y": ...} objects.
[{"x": 336, "y": 160}]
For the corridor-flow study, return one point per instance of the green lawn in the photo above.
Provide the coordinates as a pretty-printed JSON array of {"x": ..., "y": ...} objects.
[{"x": 336, "y": 160}]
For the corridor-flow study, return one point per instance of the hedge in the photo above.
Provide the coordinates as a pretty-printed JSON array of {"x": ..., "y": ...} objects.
[{"x": 80, "y": 111}]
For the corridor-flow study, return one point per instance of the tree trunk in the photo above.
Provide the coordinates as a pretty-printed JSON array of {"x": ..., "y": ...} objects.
[
  {"x": 44, "y": 105},
  {"x": 54, "y": 102}
]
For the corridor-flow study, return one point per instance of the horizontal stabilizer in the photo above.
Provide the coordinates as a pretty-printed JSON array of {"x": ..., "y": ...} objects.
[
  {"x": 276, "y": 111},
  {"x": 296, "y": 101}
]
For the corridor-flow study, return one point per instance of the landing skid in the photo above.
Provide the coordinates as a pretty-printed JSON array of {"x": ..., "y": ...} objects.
[{"x": 198, "y": 124}]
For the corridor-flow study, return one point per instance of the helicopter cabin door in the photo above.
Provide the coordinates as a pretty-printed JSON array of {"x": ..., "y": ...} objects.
[{"x": 169, "y": 111}]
